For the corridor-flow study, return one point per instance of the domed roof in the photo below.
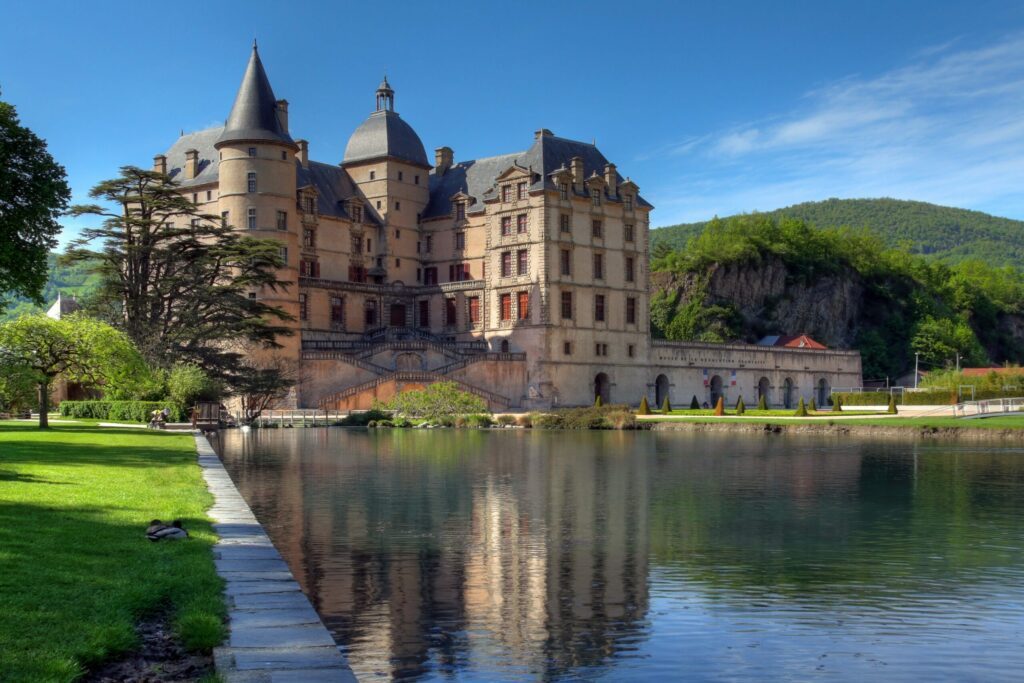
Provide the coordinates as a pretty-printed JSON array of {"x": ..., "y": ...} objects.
[{"x": 385, "y": 134}]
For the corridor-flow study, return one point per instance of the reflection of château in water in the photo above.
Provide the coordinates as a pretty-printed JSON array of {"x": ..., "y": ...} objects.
[{"x": 544, "y": 567}]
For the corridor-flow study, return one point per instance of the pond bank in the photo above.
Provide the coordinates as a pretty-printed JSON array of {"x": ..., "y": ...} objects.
[{"x": 900, "y": 431}]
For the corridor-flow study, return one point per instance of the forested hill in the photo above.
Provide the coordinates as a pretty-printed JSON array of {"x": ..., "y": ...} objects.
[
  {"x": 946, "y": 233},
  {"x": 67, "y": 280}
]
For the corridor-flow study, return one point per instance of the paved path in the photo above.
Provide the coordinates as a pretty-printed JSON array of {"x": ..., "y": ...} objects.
[{"x": 276, "y": 635}]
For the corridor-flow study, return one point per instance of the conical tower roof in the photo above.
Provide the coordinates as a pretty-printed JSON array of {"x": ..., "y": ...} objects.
[{"x": 254, "y": 114}]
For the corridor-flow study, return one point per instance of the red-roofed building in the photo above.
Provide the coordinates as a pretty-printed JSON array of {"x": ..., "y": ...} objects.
[
  {"x": 982, "y": 372},
  {"x": 799, "y": 341}
]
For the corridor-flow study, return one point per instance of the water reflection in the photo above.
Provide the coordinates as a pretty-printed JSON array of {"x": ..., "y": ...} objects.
[{"x": 496, "y": 556}]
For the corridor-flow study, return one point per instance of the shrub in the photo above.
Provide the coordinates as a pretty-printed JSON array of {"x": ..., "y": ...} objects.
[
  {"x": 837, "y": 404},
  {"x": 447, "y": 421},
  {"x": 598, "y": 402},
  {"x": 694, "y": 403},
  {"x": 402, "y": 423},
  {"x": 812, "y": 406},
  {"x": 801, "y": 408},
  {"x": 548, "y": 421},
  {"x": 666, "y": 407},
  {"x": 364, "y": 418},
  {"x": 460, "y": 422},
  {"x": 481, "y": 421},
  {"x": 741, "y": 407},
  {"x": 120, "y": 411},
  {"x": 437, "y": 399},
  {"x": 187, "y": 384},
  {"x": 892, "y": 405},
  {"x": 525, "y": 421},
  {"x": 762, "y": 403},
  {"x": 720, "y": 407},
  {"x": 620, "y": 419},
  {"x": 644, "y": 409},
  {"x": 506, "y": 420}
]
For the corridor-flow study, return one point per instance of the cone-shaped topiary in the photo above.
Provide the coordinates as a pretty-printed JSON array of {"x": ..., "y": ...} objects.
[
  {"x": 598, "y": 402},
  {"x": 741, "y": 407},
  {"x": 644, "y": 408},
  {"x": 762, "y": 403},
  {"x": 837, "y": 404},
  {"x": 694, "y": 404},
  {"x": 666, "y": 407},
  {"x": 892, "y": 405},
  {"x": 720, "y": 407},
  {"x": 812, "y": 406},
  {"x": 801, "y": 408}
]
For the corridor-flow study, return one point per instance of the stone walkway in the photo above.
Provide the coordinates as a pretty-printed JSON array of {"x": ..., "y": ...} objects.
[{"x": 276, "y": 635}]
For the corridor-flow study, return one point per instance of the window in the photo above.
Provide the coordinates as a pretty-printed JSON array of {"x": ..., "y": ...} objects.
[
  {"x": 398, "y": 234},
  {"x": 251, "y": 219},
  {"x": 398, "y": 206},
  {"x": 630, "y": 350},
  {"x": 563, "y": 190},
  {"x": 430, "y": 276},
  {"x": 309, "y": 268},
  {"x": 194, "y": 223},
  {"x": 460, "y": 241},
  {"x": 595, "y": 197},
  {"x": 252, "y": 151},
  {"x": 369, "y": 245},
  {"x": 506, "y": 225},
  {"x": 629, "y": 202},
  {"x": 563, "y": 223},
  {"x": 282, "y": 220},
  {"x": 370, "y": 313},
  {"x": 378, "y": 203},
  {"x": 308, "y": 204},
  {"x": 357, "y": 213},
  {"x": 524, "y": 305},
  {"x": 600, "y": 349},
  {"x": 457, "y": 272},
  {"x": 373, "y": 175},
  {"x": 419, "y": 275},
  {"x": 398, "y": 263},
  {"x": 357, "y": 244},
  {"x": 450, "y": 312},
  {"x": 356, "y": 274},
  {"x": 628, "y": 232},
  {"x": 284, "y": 155},
  {"x": 284, "y": 255},
  {"x": 566, "y": 262},
  {"x": 567, "y": 348},
  {"x": 522, "y": 262},
  {"x": 251, "y": 177},
  {"x": 506, "y": 264},
  {"x": 598, "y": 266},
  {"x": 309, "y": 237},
  {"x": 521, "y": 223},
  {"x": 429, "y": 244},
  {"x": 424, "y": 313},
  {"x": 416, "y": 180},
  {"x": 599, "y": 308},
  {"x": 252, "y": 296},
  {"x": 596, "y": 229},
  {"x": 506, "y": 306},
  {"x": 506, "y": 193},
  {"x": 337, "y": 311},
  {"x": 521, "y": 191},
  {"x": 209, "y": 195},
  {"x": 224, "y": 217},
  {"x": 630, "y": 310},
  {"x": 630, "y": 269},
  {"x": 566, "y": 305},
  {"x": 303, "y": 308},
  {"x": 460, "y": 211},
  {"x": 400, "y": 175},
  {"x": 195, "y": 198},
  {"x": 474, "y": 310}
]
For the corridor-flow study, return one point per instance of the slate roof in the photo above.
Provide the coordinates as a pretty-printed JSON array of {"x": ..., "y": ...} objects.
[
  {"x": 477, "y": 177},
  {"x": 209, "y": 157},
  {"x": 385, "y": 134},
  {"x": 333, "y": 186},
  {"x": 253, "y": 117}
]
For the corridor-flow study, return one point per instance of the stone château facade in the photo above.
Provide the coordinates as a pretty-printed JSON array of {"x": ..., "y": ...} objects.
[{"x": 523, "y": 276}]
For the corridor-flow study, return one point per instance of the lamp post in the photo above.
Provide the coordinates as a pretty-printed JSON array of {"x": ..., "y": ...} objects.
[{"x": 917, "y": 358}]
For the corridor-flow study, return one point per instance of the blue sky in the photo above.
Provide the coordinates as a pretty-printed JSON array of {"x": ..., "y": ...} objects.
[{"x": 712, "y": 108}]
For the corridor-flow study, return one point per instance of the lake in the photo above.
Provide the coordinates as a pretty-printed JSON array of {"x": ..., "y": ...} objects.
[{"x": 650, "y": 556}]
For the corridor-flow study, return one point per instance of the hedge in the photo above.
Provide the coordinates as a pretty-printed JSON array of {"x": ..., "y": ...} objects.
[
  {"x": 927, "y": 397},
  {"x": 120, "y": 411}
]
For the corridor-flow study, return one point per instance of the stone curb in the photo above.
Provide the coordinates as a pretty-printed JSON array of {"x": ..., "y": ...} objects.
[{"x": 275, "y": 634}]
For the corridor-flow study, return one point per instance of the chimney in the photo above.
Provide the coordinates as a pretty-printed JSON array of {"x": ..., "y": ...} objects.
[
  {"x": 160, "y": 164},
  {"x": 443, "y": 158},
  {"x": 191, "y": 164},
  {"x": 538, "y": 134},
  {"x": 611, "y": 178},
  {"x": 282, "y": 114},
  {"x": 303, "y": 152},
  {"x": 576, "y": 166}
]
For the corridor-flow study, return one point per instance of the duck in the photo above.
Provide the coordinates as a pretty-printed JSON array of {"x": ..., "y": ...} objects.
[{"x": 158, "y": 531}]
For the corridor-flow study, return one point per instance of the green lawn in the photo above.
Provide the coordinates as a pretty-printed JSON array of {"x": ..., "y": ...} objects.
[
  {"x": 76, "y": 570},
  {"x": 908, "y": 422},
  {"x": 754, "y": 412}
]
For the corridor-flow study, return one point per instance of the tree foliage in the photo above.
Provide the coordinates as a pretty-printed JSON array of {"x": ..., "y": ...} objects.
[
  {"x": 177, "y": 281},
  {"x": 437, "y": 400},
  {"x": 33, "y": 194}
]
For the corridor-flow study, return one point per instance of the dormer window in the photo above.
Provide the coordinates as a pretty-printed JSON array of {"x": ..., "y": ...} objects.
[
  {"x": 357, "y": 213},
  {"x": 460, "y": 211},
  {"x": 521, "y": 191},
  {"x": 563, "y": 190},
  {"x": 307, "y": 203},
  {"x": 629, "y": 202},
  {"x": 595, "y": 197},
  {"x": 506, "y": 193}
]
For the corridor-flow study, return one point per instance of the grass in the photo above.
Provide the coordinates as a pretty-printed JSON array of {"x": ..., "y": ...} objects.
[
  {"x": 906, "y": 422},
  {"x": 76, "y": 570},
  {"x": 754, "y": 412}
]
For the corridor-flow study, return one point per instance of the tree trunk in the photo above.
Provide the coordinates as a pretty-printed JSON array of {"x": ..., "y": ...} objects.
[{"x": 44, "y": 405}]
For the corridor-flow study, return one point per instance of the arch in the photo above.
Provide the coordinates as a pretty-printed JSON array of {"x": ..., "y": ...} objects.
[
  {"x": 764, "y": 388},
  {"x": 716, "y": 390},
  {"x": 409, "y": 361},
  {"x": 787, "y": 393},
  {"x": 504, "y": 345},
  {"x": 660, "y": 389},
  {"x": 824, "y": 392},
  {"x": 602, "y": 387}
]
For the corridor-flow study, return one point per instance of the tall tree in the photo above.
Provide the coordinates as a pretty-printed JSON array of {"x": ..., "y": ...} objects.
[
  {"x": 76, "y": 349},
  {"x": 33, "y": 194},
  {"x": 176, "y": 280}
]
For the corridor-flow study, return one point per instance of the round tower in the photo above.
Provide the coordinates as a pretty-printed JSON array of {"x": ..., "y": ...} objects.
[{"x": 257, "y": 180}]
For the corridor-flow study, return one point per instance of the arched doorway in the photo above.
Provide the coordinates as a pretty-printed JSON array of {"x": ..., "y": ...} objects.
[
  {"x": 764, "y": 389},
  {"x": 716, "y": 390},
  {"x": 823, "y": 392},
  {"x": 602, "y": 387},
  {"x": 787, "y": 393},
  {"x": 660, "y": 389},
  {"x": 397, "y": 318},
  {"x": 504, "y": 345}
]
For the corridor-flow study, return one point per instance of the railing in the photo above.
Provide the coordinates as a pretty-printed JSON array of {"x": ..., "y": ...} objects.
[
  {"x": 344, "y": 358},
  {"x": 989, "y": 407},
  {"x": 495, "y": 356}
]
